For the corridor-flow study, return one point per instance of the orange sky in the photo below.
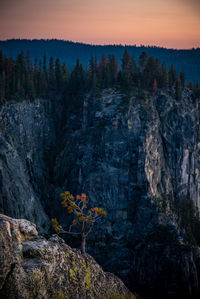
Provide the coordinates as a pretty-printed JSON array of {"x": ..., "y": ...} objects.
[{"x": 168, "y": 23}]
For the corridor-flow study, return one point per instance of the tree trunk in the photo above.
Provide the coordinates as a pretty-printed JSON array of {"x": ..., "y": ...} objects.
[{"x": 83, "y": 245}]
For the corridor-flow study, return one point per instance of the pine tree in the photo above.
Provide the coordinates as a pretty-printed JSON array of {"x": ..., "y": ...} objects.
[
  {"x": 103, "y": 72},
  {"x": 35, "y": 67},
  {"x": 126, "y": 61},
  {"x": 31, "y": 88},
  {"x": 196, "y": 90},
  {"x": 2, "y": 78},
  {"x": 125, "y": 76},
  {"x": 58, "y": 75},
  {"x": 28, "y": 61},
  {"x": 172, "y": 76},
  {"x": 20, "y": 75},
  {"x": 1, "y": 63},
  {"x": 39, "y": 80},
  {"x": 190, "y": 85},
  {"x": 155, "y": 86},
  {"x": 12, "y": 80},
  {"x": 65, "y": 74},
  {"x": 134, "y": 72},
  {"x": 44, "y": 64},
  {"x": 142, "y": 60},
  {"x": 44, "y": 75},
  {"x": 93, "y": 77},
  {"x": 77, "y": 80},
  {"x": 163, "y": 80},
  {"x": 178, "y": 93},
  {"x": 51, "y": 75},
  {"x": 133, "y": 65},
  {"x": 182, "y": 78},
  {"x": 90, "y": 72},
  {"x": 113, "y": 69},
  {"x": 150, "y": 73}
]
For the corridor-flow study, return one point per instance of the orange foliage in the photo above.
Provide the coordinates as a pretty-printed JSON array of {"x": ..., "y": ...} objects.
[{"x": 85, "y": 218}]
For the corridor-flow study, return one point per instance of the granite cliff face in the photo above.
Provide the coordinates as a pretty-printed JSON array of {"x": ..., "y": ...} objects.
[
  {"x": 137, "y": 157},
  {"x": 32, "y": 267}
]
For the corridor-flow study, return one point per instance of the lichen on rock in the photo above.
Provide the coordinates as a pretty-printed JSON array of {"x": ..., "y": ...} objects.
[{"x": 33, "y": 267}]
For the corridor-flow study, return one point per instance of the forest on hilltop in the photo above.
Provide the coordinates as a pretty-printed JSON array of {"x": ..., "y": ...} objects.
[
  {"x": 68, "y": 52},
  {"x": 23, "y": 79}
]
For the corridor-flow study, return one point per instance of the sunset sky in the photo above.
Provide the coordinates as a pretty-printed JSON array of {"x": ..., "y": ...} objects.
[{"x": 167, "y": 23}]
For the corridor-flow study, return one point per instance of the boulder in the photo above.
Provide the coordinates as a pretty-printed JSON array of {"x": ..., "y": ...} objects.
[{"x": 34, "y": 267}]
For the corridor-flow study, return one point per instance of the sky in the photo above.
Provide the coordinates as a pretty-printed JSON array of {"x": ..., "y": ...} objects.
[{"x": 166, "y": 23}]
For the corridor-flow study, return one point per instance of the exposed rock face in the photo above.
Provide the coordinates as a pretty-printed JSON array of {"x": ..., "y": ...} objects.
[
  {"x": 26, "y": 136},
  {"x": 32, "y": 267},
  {"x": 137, "y": 158},
  {"x": 174, "y": 270}
]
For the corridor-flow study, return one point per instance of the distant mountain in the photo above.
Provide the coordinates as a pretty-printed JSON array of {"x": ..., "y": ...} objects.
[{"x": 68, "y": 51}]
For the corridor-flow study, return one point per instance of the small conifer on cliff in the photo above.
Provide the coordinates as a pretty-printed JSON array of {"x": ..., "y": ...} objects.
[{"x": 84, "y": 218}]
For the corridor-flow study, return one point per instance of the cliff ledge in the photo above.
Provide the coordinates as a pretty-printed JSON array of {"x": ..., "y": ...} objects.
[{"x": 33, "y": 267}]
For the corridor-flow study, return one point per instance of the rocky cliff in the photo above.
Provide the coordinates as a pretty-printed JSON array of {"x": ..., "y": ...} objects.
[
  {"x": 32, "y": 267},
  {"x": 137, "y": 157},
  {"x": 27, "y": 134}
]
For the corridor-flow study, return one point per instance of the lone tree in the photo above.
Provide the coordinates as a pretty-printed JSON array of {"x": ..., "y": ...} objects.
[{"x": 85, "y": 218}]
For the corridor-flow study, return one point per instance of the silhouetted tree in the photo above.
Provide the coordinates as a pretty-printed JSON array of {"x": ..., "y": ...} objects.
[
  {"x": 2, "y": 78},
  {"x": 150, "y": 73},
  {"x": 155, "y": 86},
  {"x": 58, "y": 75},
  {"x": 103, "y": 72},
  {"x": 163, "y": 80},
  {"x": 178, "y": 93},
  {"x": 113, "y": 69},
  {"x": 126, "y": 61},
  {"x": 65, "y": 74},
  {"x": 125, "y": 75},
  {"x": 172, "y": 76},
  {"x": 93, "y": 83},
  {"x": 77, "y": 80},
  {"x": 51, "y": 74},
  {"x": 182, "y": 78},
  {"x": 142, "y": 60},
  {"x": 190, "y": 85},
  {"x": 196, "y": 90}
]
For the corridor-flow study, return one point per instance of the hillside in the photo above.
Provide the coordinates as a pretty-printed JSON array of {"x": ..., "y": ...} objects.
[{"x": 68, "y": 51}]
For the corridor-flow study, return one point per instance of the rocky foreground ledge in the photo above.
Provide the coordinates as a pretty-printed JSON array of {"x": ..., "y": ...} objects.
[{"x": 33, "y": 267}]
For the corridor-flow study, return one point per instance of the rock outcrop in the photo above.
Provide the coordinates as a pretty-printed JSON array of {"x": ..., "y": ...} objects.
[
  {"x": 33, "y": 267},
  {"x": 138, "y": 157}
]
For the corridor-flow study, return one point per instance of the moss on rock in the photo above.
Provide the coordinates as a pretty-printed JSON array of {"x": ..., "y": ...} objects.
[{"x": 33, "y": 267}]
